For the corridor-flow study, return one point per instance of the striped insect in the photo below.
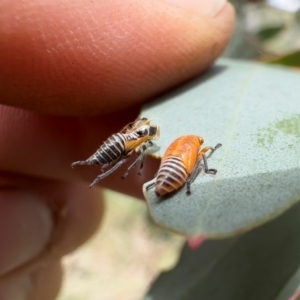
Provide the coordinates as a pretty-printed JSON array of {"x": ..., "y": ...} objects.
[
  {"x": 135, "y": 125},
  {"x": 115, "y": 151},
  {"x": 181, "y": 164}
]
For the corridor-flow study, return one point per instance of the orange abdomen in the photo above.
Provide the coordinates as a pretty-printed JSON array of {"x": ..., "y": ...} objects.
[{"x": 177, "y": 164}]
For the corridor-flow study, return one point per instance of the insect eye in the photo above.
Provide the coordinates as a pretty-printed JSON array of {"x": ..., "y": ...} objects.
[
  {"x": 153, "y": 131},
  {"x": 142, "y": 132}
]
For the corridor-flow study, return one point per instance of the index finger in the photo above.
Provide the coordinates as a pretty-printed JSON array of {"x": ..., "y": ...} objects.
[{"x": 93, "y": 57}]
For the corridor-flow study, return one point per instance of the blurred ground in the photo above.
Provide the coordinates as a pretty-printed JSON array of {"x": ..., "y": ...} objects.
[{"x": 123, "y": 258}]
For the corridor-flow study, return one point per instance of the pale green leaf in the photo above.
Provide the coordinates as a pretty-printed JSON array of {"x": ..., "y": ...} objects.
[
  {"x": 262, "y": 264},
  {"x": 254, "y": 111}
]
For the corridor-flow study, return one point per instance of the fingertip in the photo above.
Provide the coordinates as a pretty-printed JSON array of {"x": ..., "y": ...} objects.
[
  {"x": 111, "y": 61},
  {"x": 225, "y": 19},
  {"x": 26, "y": 225},
  {"x": 79, "y": 216},
  {"x": 42, "y": 284},
  {"x": 46, "y": 282},
  {"x": 75, "y": 211}
]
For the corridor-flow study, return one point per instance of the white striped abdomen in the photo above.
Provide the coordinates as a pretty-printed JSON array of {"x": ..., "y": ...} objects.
[
  {"x": 171, "y": 176},
  {"x": 111, "y": 150}
]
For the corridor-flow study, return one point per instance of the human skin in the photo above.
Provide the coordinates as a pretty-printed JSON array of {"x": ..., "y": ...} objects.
[{"x": 71, "y": 74}]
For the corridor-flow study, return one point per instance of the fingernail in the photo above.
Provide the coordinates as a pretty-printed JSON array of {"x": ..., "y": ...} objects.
[
  {"x": 205, "y": 7},
  {"x": 25, "y": 228}
]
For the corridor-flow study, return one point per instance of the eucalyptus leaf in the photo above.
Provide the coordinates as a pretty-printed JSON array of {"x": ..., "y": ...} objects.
[
  {"x": 270, "y": 32},
  {"x": 291, "y": 59},
  {"x": 262, "y": 264},
  {"x": 254, "y": 111}
]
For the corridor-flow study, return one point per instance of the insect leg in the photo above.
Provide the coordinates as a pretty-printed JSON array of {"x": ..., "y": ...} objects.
[
  {"x": 108, "y": 172},
  {"x": 196, "y": 170},
  {"x": 212, "y": 150},
  {"x": 89, "y": 161},
  {"x": 140, "y": 158},
  {"x": 150, "y": 185},
  {"x": 192, "y": 176},
  {"x": 206, "y": 169},
  {"x": 144, "y": 148}
]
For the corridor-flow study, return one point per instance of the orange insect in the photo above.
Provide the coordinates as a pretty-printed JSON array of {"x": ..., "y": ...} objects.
[{"x": 181, "y": 164}]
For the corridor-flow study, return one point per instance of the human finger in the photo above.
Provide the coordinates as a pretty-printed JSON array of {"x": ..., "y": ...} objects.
[
  {"x": 43, "y": 283},
  {"x": 93, "y": 57},
  {"x": 67, "y": 212}
]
